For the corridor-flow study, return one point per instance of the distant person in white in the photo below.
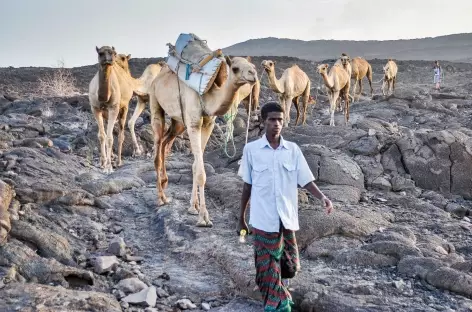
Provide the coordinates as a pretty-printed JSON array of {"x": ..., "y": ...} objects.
[
  {"x": 272, "y": 169},
  {"x": 437, "y": 74}
]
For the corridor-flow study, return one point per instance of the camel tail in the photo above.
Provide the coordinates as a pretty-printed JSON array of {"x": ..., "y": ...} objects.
[
  {"x": 369, "y": 77},
  {"x": 306, "y": 93},
  {"x": 306, "y": 98},
  {"x": 256, "y": 90}
]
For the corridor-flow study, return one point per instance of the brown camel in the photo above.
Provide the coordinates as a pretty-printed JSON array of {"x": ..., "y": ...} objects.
[
  {"x": 187, "y": 109},
  {"x": 337, "y": 82},
  {"x": 293, "y": 83},
  {"x": 360, "y": 69},
  {"x": 390, "y": 77},
  {"x": 142, "y": 85},
  {"x": 110, "y": 91}
]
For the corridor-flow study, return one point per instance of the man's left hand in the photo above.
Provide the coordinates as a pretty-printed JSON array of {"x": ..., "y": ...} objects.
[{"x": 328, "y": 205}]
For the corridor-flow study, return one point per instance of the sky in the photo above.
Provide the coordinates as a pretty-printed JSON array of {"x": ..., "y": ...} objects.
[{"x": 44, "y": 32}]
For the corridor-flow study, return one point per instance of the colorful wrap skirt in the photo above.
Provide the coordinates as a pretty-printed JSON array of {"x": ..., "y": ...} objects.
[{"x": 268, "y": 251}]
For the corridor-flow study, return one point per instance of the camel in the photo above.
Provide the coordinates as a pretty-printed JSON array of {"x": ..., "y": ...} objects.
[
  {"x": 336, "y": 81},
  {"x": 110, "y": 91},
  {"x": 245, "y": 94},
  {"x": 390, "y": 76},
  {"x": 293, "y": 83},
  {"x": 360, "y": 69},
  {"x": 196, "y": 113},
  {"x": 142, "y": 85}
]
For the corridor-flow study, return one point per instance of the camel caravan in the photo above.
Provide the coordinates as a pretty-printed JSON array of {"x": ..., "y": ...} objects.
[{"x": 193, "y": 87}]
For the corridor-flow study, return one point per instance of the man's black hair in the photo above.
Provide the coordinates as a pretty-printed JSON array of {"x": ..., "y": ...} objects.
[{"x": 271, "y": 107}]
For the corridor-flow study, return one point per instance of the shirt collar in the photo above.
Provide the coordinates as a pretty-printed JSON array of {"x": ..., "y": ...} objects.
[{"x": 265, "y": 142}]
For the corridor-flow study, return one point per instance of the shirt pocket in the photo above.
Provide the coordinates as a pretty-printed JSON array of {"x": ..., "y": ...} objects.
[
  {"x": 260, "y": 175},
  {"x": 290, "y": 173}
]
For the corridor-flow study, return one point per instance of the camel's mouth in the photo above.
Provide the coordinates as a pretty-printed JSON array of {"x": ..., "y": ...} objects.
[{"x": 245, "y": 80}]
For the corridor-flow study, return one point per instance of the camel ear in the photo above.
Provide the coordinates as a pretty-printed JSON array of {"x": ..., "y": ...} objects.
[
  {"x": 96, "y": 48},
  {"x": 228, "y": 60},
  {"x": 128, "y": 56},
  {"x": 249, "y": 59}
]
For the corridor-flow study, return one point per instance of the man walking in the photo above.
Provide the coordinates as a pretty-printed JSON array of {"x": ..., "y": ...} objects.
[{"x": 272, "y": 168}]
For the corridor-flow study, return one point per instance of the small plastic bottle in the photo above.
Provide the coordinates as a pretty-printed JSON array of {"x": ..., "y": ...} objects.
[{"x": 242, "y": 236}]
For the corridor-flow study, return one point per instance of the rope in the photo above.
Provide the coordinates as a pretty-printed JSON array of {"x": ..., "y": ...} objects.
[
  {"x": 229, "y": 132},
  {"x": 248, "y": 116}
]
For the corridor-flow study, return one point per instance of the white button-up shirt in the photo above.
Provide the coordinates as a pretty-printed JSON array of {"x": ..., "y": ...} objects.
[{"x": 274, "y": 176}]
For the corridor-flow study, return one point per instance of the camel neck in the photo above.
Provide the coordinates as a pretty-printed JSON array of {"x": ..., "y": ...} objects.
[
  {"x": 219, "y": 102},
  {"x": 104, "y": 83},
  {"x": 275, "y": 83},
  {"x": 326, "y": 80}
]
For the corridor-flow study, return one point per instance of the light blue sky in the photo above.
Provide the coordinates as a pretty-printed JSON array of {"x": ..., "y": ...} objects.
[{"x": 41, "y": 32}]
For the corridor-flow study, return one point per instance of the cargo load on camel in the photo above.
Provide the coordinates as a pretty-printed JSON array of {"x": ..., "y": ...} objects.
[{"x": 194, "y": 62}]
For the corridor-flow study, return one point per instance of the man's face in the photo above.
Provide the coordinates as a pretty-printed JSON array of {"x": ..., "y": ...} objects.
[{"x": 274, "y": 123}]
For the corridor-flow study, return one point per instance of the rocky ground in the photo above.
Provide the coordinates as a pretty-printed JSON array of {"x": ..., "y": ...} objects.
[{"x": 399, "y": 177}]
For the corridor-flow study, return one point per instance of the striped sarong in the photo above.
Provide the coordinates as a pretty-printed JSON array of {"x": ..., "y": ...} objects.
[{"x": 268, "y": 250}]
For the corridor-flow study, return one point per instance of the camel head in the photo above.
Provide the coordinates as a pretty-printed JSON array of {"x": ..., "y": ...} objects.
[
  {"x": 241, "y": 70},
  {"x": 122, "y": 61},
  {"x": 323, "y": 68},
  {"x": 268, "y": 65},
  {"x": 345, "y": 59},
  {"x": 385, "y": 69},
  {"x": 106, "y": 55}
]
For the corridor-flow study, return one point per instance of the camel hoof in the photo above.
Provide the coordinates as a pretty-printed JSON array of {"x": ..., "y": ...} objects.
[
  {"x": 192, "y": 211},
  {"x": 108, "y": 170},
  {"x": 137, "y": 153},
  {"x": 203, "y": 223},
  {"x": 163, "y": 201}
]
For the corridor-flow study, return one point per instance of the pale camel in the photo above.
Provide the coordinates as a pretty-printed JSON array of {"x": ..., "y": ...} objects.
[
  {"x": 293, "y": 83},
  {"x": 142, "y": 86},
  {"x": 390, "y": 76},
  {"x": 110, "y": 91},
  {"x": 187, "y": 109},
  {"x": 336, "y": 81},
  {"x": 248, "y": 92}
]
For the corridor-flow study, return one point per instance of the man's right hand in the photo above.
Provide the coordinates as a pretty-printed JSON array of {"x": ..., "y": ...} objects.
[{"x": 243, "y": 226}]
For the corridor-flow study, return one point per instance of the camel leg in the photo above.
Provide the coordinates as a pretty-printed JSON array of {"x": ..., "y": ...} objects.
[
  {"x": 198, "y": 171},
  {"x": 297, "y": 107},
  {"x": 137, "y": 112},
  {"x": 158, "y": 124},
  {"x": 394, "y": 80},
  {"x": 204, "y": 217},
  {"x": 333, "y": 99},
  {"x": 346, "y": 108},
  {"x": 354, "y": 89},
  {"x": 360, "y": 90},
  {"x": 112, "y": 116},
  {"x": 121, "y": 134},
  {"x": 176, "y": 128},
  {"x": 288, "y": 106},
  {"x": 101, "y": 135}
]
